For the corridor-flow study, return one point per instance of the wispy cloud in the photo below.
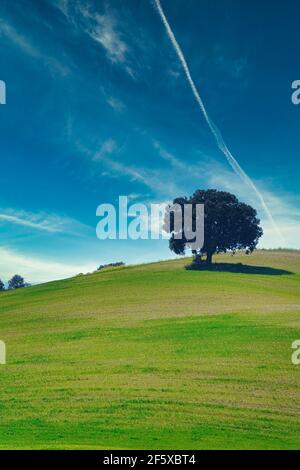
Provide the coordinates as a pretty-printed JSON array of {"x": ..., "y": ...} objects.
[
  {"x": 104, "y": 29},
  {"x": 107, "y": 148},
  {"x": 42, "y": 225},
  {"x": 156, "y": 180},
  {"x": 134, "y": 196},
  {"x": 35, "y": 269},
  {"x": 115, "y": 103},
  {"x": 62, "y": 5},
  {"x": 162, "y": 182},
  {"x": 41, "y": 221},
  {"x": 210, "y": 173},
  {"x": 28, "y": 47},
  {"x": 166, "y": 155}
]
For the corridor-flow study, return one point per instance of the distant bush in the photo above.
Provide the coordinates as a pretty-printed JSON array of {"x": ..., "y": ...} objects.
[
  {"x": 16, "y": 282},
  {"x": 2, "y": 286},
  {"x": 110, "y": 265}
]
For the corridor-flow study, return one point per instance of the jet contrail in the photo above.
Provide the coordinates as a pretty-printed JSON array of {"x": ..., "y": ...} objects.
[{"x": 215, "y": 131}]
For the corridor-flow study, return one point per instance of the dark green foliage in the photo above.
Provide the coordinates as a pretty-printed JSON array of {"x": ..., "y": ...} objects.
[
  {"x": 229, "y": 224},
  {"x": 16, "y": 282},
  {"x": 111, "y": 265}
]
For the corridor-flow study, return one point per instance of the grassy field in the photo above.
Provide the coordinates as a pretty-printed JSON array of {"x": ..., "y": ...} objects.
[{"x": 155, "y": 357}]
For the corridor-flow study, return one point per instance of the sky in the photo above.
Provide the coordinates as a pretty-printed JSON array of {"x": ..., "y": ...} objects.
[{"x": 98, "y": 106}]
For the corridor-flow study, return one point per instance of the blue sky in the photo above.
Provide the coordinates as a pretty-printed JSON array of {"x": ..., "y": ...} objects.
[{"x": 98, "y": 106}]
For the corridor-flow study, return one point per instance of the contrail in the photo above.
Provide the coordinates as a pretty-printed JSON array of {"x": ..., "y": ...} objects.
[{"x": 215, "y": 131}]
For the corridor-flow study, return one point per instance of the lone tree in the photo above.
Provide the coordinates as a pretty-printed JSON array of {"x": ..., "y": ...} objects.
[
  {"x": 16, "y": 282},
  {"x": 2, "y": 286},
  {"x": 229, "y": 224}
]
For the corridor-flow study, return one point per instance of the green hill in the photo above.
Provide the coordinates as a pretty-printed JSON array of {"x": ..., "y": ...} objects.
[{"x": 155, "y": 356}]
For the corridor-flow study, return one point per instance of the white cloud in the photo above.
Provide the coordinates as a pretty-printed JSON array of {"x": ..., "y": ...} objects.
[
  {"x": 115, "y": 103},
  {"x": 42, "y": 225},
  {"x": 23, "y": 43},
  {"x": 176, "y": 162},
  {"x": 41, "y": 221},
  {"x": 151, "y": 178},
  {"x": 35, "y": 269},
  {"x": 62, "y": 5},
  {"x": 133, "y": 196},
  {"x": 284, "y": 211},
  {"x": 290, "y": 231},
  {"x": 107, "y": 148},
  {"x": 157, "y": 180},
  {"x": 103, "y": 29},
  {"x": 212, "y": 174}
]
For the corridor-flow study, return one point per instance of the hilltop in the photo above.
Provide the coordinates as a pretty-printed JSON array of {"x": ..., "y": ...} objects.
[{"x": 155, "y": 356}]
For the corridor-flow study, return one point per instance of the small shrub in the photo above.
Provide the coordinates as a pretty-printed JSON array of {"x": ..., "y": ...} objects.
[
  {"x": 111, "y": 265},
  {"x": 16, "y": 282}
]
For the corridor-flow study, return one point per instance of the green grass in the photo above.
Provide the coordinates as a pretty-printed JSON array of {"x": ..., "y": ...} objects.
[{"x": 155, "y": 356}]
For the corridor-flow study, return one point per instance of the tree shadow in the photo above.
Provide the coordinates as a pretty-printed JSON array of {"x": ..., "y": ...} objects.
[{"x": 238, "y": 268}]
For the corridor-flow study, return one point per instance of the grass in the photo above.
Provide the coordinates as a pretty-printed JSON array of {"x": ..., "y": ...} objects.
[{"x": 155, "y": 357}]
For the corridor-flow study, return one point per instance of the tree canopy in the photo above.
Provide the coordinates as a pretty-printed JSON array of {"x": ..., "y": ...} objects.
[
  {"x": 229, "y": 224},
  {"x": 16, "y": 282}
]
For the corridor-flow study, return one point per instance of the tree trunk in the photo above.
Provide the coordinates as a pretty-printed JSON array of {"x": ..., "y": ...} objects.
[
  {"x": 209, "y": 256},
  {"x": 197, "y": 259}
]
